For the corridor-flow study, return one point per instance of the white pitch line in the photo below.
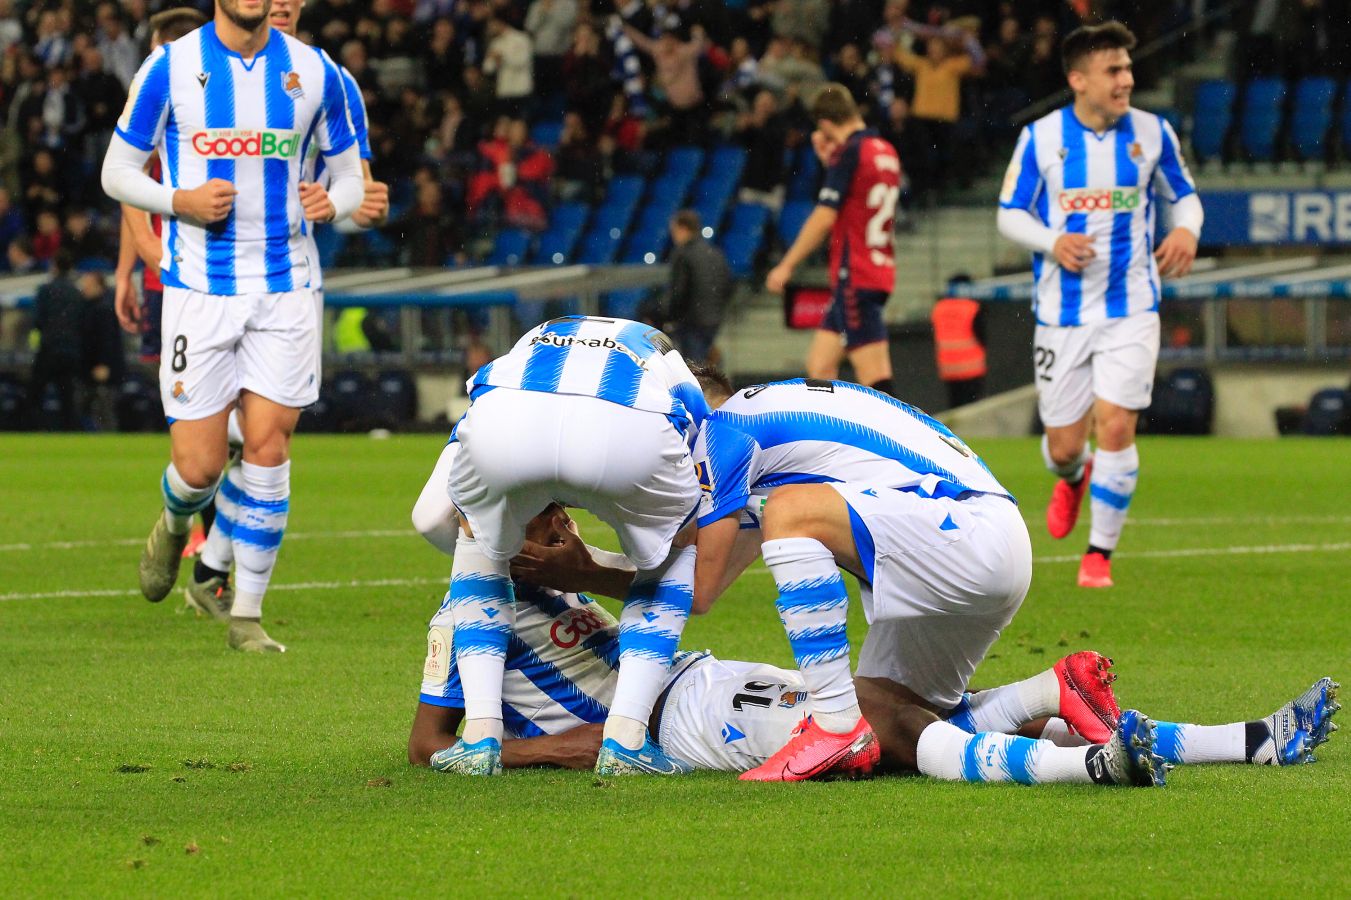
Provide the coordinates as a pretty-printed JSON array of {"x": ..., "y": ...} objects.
[
  {"x": 297, "y": 586},
  {"x": 132, "y": 542},
  {"x": 1210, "y": 551}
]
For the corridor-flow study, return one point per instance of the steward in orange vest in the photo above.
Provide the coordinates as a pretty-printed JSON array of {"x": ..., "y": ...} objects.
[{"x": 957, "y": 345}]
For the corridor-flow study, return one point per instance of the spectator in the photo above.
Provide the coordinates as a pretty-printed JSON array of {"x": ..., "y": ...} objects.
[
  {"x": 701, "y": 288},
  {"x": 852, "y": 71},
  {"x": 427, "y": 233},
  {"x": 121, "y": 54},
  {"x": 59, "y": 316},
  {"x": 959, "y": 347},
  {"x": 513, "y": 180},
  {"x": 550, "y": 25},
  {"x": 586, "y": 76},
  {"x": 801, "y": 20},
  {"x": 20, "y": 256},
  {"x": 11, "y": 30},
  {"x": 102, "y": 97},
  {"x": 457, "y": 135},
  {"x": 581, "y": 169},
  {"x": 897, "y": 131},
  {"x": 82, "y": 240},
  {"x": 63, "y": 116},
  {"x": 789, "y": 69},
  {"x": 677, "y": 80},
  {"x": 509, "y": 60},
  {"x": 764, "y": 133},
  {"x": 937, "y": 103},
  {"x": 53, "y": 43},
  {"x": 47, "y": 240},
  {"x": 443, "y": 63},
  {"x": 105, "y": 362},
  {"x": 11, "y": 222},
  {"x": 624, "y": 135}
]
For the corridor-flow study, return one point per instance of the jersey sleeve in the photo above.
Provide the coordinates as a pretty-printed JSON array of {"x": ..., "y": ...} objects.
[
  {"x": 1022, "y": 181},
  {"x": 334, "y": 131},
  {"x": 1172, "y": 178},
  {"x": 839, "y": 175},
  {"x": 356, "y": 108},
  {"x": 723, "y": 457},
  {"x": 142, "y": 122}
]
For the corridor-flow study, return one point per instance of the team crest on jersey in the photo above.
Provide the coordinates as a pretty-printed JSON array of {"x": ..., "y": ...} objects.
[
  {"x": 792, "y": 698},
  {"x": 1136, "y": 151},
  {"x": 178, "y": 393},
  {"x": 290, "y": 82}
]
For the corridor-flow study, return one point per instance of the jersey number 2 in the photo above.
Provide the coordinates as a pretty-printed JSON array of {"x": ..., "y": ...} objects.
[{"x": 882, "y": 198}]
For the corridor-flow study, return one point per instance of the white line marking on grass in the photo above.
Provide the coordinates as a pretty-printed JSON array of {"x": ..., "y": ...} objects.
[
  {"x": 297, "y": 586},
  {"x": 1241, "y": 520},
  {"x": 1184, "y": 552},
  {"x": 132, "y": 542}
]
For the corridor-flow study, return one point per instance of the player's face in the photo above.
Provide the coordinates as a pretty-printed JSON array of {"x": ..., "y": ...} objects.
[
  {"x": 285, "y": 15},
  {"x": 1103, "y": 81},
  {"x": 544, "y": 528},
  {"x": 246, "y": 14}
]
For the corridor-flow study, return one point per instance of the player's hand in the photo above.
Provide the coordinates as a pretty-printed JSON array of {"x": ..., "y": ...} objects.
[
  {"x": 210, "y": 202},
  {"x": 314, "y": 201},
  {"x": 127, "y": 304},
  {"x": 1074, "y": 251},
  {"x": 1176, "y": 253},
  {"x": 564, "y": 566},
  {"x": 777, "y": 279},
  {"x": 374, "y": 208}
]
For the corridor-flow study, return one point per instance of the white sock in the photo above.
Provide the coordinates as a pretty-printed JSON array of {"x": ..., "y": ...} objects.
[
  {"x": 814, "y": 607},
  {"x": 182, "y": 501},
  {"x": 1115, "y": 473},
  {"x": 947, "y": 752},
  {"x": 1058, "y": 732},
  {"x": 257, "y": 532},
  {"x": 1180, "y": 743},
  {"x": 483, "y": 610},
  {"x": 1009, "y": 707},
  {"x": 654, "y": 615},
  {"x": 218, "y": 552},
  {"x": 1071, "y": 471}
]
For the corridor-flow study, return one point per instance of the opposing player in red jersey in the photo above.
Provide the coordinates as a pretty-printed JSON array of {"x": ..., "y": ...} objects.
[{"x": 855, "y": 208}]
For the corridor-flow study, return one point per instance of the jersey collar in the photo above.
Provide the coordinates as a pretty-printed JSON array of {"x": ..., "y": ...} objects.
[
  {"x": 272, "y": 38},
  {"x": 1074, "y": 117}
]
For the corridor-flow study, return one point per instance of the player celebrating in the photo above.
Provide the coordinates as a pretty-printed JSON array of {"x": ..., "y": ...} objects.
[
  {"x": 1080, "y": 194},
  {"x": 855, "y": 208},
  {"x": 209, "y": 591},
  {"x": 231, "y": 108},
  {"x": 611, "y": 409}
]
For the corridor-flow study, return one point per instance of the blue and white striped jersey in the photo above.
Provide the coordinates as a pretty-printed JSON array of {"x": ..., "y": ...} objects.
[
  {"x": 561, "y": 664},
  {"x": 1079, "y": 182},
  {"x": 813, "y": 431},
  {"x": 212, "y": 115},
  {"x": 317, "y": 171},
  {"x": 625, "y": 362}
]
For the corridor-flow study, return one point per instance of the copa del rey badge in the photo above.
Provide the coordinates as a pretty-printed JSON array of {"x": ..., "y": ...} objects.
[{"x": 290, "y": 82}]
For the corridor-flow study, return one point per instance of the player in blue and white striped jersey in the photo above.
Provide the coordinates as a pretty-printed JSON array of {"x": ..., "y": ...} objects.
[
  {"x": 231, "y": 109},
  {"x": 1083, "y": 192},
  {"x": 593, "y": 413}
]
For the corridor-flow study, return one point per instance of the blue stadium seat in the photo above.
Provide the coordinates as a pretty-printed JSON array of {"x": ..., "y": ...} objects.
[
  {"x": 330, "y": 242},
  {"x": 1311, "y": 118},
  {"x": 791, "y": 219},
  {"x": 710, "y": 201},
  {"x": 546, "y": 134},
  {"x": 510, "y": 248},
  {"x": 1214, "y": 113},
  {"x": 620, "y": 202},
  {"x": 684, "y": 163},
  {"x": 804, "y": 172},
  {"x": 1263, "y": 109},
  {"x": 624, "y": 304},
  {"x": 599, "y": 246},
  {"x": 397, "y": 393},
  {"x": 727, "y": 162},
  {"x": 1328, "y": 412},
  {"x": 743, "y": 237},
  {"x": 556, "y": 245},
  {"x": 646, "y": 242}
]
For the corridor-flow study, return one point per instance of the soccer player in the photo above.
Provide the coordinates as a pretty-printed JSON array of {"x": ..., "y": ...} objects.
[
  {"x": 730, "y": 716},
  {"x": 855, "y": 209},
  {"x": 1080, "y": 193},
  {"x": 231, "y": 108},
  {"x": 209, "y": 591},
  {"x": 589, "y": 412}
]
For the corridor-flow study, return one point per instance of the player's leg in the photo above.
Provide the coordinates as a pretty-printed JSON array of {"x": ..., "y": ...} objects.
[
  {"x": 1062, "y": 358},
  {"x": 865, "y": 338},
  {"x": 1077, "y": 691},
  {"x": 210, "y": 591},
  {"x": 198, "y": 384},
  {"x": 1286, "y": 737},
  {"x": 825, "y": 354}
]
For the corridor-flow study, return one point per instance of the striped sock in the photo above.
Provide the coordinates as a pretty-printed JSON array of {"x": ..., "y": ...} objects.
[
  {"x": 1058, "y": 732},
  {"x": 1009, "y": 707},
  {"x": 483, "y": 610},
  {"x": 947, "y": 752},
  {"x": 1115, "y": 473},
  {"x": 218, "y": 552},
  {"x": 1181, "y": 743},
  {"x": 181, "y": 500},
  {"x": 263, "y": 495},
  {"x": 654, "y": 615},
  {"x": 814, "y": 607}
]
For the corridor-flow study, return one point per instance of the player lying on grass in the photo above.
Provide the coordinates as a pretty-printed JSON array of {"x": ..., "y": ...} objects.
[{"x": 730, "y": 716}]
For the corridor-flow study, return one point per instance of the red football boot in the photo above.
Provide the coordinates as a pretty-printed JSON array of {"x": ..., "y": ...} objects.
[
  {"x": 195, "y": 542},
  {"x": 1087, "y": 703},
  {"x": 1095, "y": 571},
  {"x": 1066, "y": 500},
  {"x": 814, "y": 752}
]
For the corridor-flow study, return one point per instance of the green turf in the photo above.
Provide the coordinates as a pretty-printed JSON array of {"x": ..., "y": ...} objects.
[{"x": 271, "y": 775}]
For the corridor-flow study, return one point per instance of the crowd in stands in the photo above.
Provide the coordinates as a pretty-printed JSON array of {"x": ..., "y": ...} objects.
[{"x": 485, "y": 112}]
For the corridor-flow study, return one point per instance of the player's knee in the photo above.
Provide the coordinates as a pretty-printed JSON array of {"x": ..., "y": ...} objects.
[
  {"x": 1116, "y": 432},
  {"x": 272, "y": 448},
  {"x": 200, "y": 469}
]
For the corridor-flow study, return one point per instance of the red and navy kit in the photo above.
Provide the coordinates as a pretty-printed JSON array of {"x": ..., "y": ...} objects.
[{"x": 863, "y": 184}]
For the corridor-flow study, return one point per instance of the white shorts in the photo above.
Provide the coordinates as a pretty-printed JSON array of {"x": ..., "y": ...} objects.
[
  {"x": 730, "y": 716},
  {"x": 1113, "y": 360},
  {"x": 947, "y": 577},
  {"x": 522, "y": 450},
  {"x": 216, "y": 346}
]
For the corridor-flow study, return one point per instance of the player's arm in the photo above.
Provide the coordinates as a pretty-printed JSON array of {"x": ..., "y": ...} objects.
[
  {"x": 342, "y": 154},
  {"x": 435, "y": 727},
  {"x": 814, "y": 232},
  {"x": 125, "y": 302},
  {"x": 1022, "y": 184},
  {"x": 573, "y": 567},
  {"x": 725, "y": 562},
  {"x": 1177, "y": 251}
]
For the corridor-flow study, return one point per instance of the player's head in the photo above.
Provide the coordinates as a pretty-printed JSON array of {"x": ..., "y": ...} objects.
[
  {"x": 685, "y": 227},
  {"x": 548, "y": 527},
  {"x": 835, "y": 113},
  {"x": 1097, "y": 62},
  {"x": 715, "y": 384},
  {"x": 169, "y": 25},
  {"x": 285, "y": 15},
  {"x": 247, "y": 15}
]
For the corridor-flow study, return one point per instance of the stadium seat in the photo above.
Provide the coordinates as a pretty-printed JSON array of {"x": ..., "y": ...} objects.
[
  {"x": 712, "y": 193},
  {"x": 744, "y": 236},
  {"x": 599, "y": 246},
  {"x": 620, "y": 202},
  {"x": 318, "y": 416},
  {"x": 791, "y": 219},
  {"x": 804, "y": 172},
  {"x": 1183, "y": 403},
  {"x": 397, "y": 394},
  {"x": 624, "y": 304},
  {"x": 1328, "y": 413},
  {"x": 13, "y": 404},
  {"x": 510, "y": 248},
  {"x": 330, "y": 242},
  {"x": 138, "y": 404},
  {"x": 1311, "y": 118},
  {"x": 556, "y": 245},
  {"x": 546, "y": 134},
  {"x": 684, "y": 163},
  {"x": 646, "y": 245},
  {"x": 1263, "y": 110},
  {"x": 727, "y": 162},
  {"x": 1214, "y": 113},
  {"x": 353, "y": 400}
]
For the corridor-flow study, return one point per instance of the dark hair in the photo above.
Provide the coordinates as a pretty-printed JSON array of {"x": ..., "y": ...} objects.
[
  {"x": 62, "y": 262},
  {"x": 1089, "y": 39},
  {"x": 687, "y": 219},
  {"x": 712, "y": 380},
  {"x": 835, "y": 104},
  {"x": 172, "y": 24}
]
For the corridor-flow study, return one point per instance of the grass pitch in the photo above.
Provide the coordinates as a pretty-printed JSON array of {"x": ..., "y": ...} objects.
[{"x": 139, "y": 755}]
